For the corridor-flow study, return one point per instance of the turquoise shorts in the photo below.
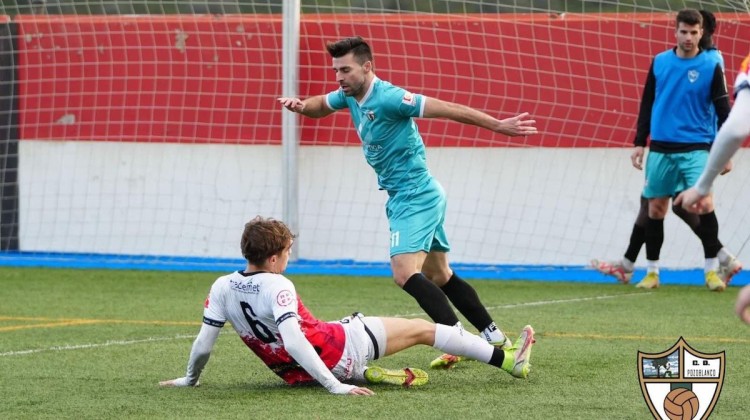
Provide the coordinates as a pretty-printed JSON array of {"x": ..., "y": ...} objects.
[
  {"x": 416, "y": 218},
  {"x": 670, "y": 173}
]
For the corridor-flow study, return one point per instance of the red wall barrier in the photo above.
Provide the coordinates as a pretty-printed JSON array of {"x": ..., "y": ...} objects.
[{"x": 209, "y": 79}]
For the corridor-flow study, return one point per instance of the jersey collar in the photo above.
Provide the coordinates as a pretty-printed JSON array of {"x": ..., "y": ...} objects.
[
  {"x": 243, "y": 273},
  {"x": 369, "y": 91}
]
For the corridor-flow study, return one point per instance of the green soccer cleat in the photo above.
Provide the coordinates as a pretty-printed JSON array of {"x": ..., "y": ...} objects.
[
  {"x": 714, "y": 282},
  {"x": 518, "y": 359},
  {"x": 506, "y": 344},
  {"x": 651, "y": 281},
  {"x": 405, "y": 377},
  {"x": 445, "y": 361}
]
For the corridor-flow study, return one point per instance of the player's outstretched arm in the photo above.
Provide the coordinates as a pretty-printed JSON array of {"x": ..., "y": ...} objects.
[
  {"x": 296, "y": 344},
  {"x": 514, "y": 126},
  {"x": 199, "y": 355},
  {"x": 314, "y": 106},
  {"x": 728, "y": 140}
]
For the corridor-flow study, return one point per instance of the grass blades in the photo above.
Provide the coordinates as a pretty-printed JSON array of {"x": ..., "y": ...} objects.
[{"x": 90, "y": 344}]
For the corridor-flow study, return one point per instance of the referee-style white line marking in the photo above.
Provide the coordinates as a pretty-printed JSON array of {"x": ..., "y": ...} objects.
[
  {"x": 544, "y": 302},
  {"x": 96, "y": 345},
  {"x": 110, "y": 343}
]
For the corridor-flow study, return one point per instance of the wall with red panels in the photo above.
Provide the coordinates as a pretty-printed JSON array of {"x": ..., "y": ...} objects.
[{"x": 214, "y": 79}]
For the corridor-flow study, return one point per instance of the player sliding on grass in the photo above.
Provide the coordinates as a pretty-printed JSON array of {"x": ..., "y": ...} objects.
[
  {"x": 263, "y": 307},
  {"x": 383, "y": 115}
]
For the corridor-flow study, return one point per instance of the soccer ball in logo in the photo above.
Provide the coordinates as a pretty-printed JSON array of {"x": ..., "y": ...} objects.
[{"x": 681, "y": 404}]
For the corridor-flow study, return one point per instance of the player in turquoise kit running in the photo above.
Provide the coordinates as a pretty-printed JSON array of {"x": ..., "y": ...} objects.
[{"x": 383, "y": 115}]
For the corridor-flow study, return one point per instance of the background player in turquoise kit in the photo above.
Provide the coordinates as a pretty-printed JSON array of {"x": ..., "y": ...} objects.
[
  {"x": 383, "y": 116},
  {"x": 622, "y": 269},
  {"x": 683, "y": 88}
]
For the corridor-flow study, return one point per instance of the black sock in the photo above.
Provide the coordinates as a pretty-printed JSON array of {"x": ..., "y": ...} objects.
[
  {"x": 638, "y": 235},
  {"x": 654, "y": 238},
  {"x": 694, "y": 221},
  {"x": 690, "y": 219},
  {"x": 431, "y": 299},
  {"x": 709, "y": 234},
  {"x": 637, "y": 239},
  {"x": 498, "y": 357},
  {"x": 466, "y": 300}
]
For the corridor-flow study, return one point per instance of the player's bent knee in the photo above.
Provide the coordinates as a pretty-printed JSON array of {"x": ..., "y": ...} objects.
[
  {"x": 423, "y": 330},
  {"x": 658, "y": 211},
  {"x": 439, "y": 277},
  {"x": 400, "y": 277},
  {"x": 400, "y": 280}
]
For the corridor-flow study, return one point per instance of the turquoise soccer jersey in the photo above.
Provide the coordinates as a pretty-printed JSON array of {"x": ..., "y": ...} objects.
[
  {"x": 682, "y": 109},
  {"x": 384, "y": 120},
  {"x": 716, "y": 55}
]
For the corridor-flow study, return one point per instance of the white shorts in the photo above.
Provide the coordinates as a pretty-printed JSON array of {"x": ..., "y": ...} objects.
[{"x": 365, "y": 341}]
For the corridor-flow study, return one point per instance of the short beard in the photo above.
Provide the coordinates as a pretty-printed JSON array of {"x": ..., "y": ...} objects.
[{"x": 353, "y": 92}]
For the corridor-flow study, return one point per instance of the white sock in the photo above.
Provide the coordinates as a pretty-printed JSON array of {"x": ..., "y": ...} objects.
[
  {"x": 627, "y": 264},
  {"x": 459, "y": 342},
  {"x": 653, "y": 267},
  {"x": 492, "y": 334},
  {"x": 724, "y": 256},
  {"x": 712, "y": 264}
]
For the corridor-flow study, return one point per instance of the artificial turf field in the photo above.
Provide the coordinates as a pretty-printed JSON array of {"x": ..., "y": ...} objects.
[{"x": 93, "y": 344}]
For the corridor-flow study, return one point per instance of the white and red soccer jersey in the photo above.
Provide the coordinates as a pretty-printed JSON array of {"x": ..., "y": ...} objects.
[
  {"x": 255, "y": 303},
  {"x": 743, "y": 78}
]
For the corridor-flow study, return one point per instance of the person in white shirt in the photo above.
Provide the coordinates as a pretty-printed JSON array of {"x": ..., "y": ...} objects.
[
  {"x": 735, "y": 130},
  {"x": 263, "y": 307}
]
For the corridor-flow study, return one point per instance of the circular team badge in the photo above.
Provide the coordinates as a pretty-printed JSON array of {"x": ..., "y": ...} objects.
[{"x": 284, "y": 298}]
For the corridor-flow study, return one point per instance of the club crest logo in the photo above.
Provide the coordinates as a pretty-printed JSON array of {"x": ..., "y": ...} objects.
[
  {"x": 681, "y": 383},
  {"x": 409, "y": 99},
  {"x": 693, "y": 75}
]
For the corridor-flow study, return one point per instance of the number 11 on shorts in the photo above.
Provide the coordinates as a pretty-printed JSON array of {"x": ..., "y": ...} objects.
[{"x": 395, "y": 237}]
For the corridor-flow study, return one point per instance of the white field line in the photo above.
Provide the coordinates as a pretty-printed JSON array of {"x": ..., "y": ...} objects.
[
  {"x": 110, "y": 343},
  {"x": 543, "y": 302}
]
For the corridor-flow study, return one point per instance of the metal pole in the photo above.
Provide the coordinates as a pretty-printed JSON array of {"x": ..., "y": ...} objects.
[{"x": 289, "y": 127}]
